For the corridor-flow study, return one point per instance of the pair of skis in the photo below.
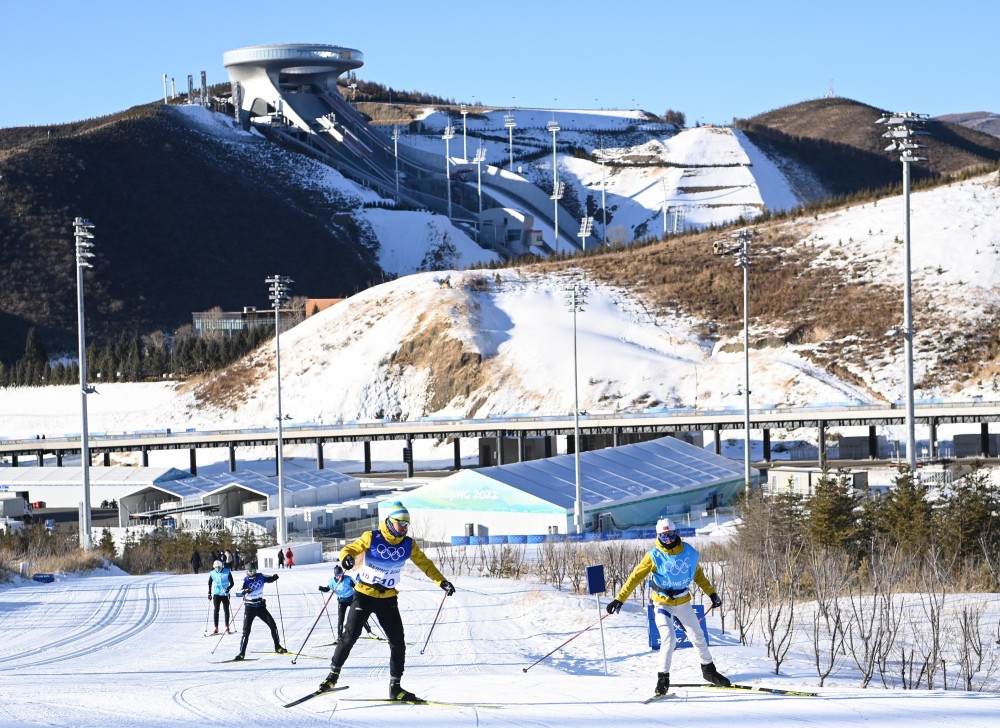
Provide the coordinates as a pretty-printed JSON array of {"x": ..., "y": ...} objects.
[{"x": 418, "y": 701}]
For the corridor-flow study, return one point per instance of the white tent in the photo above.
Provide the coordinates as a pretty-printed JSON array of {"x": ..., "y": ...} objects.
[{"x": 622, "y": 488}]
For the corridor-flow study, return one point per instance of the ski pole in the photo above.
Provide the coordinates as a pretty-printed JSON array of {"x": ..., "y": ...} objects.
[
  {"x": 208, "y": 614},
  {"x": 277, "y": 595},
  {"x": 313, "y": 627},
  {"x": 431, "y": 630},
  {"x": 227, "y": 628},
  {"x": 566, "y": 642}
]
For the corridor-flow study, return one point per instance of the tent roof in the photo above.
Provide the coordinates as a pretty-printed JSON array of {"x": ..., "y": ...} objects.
[
  {"x": 98, "y": 475},
  {"x": 261, "y": 484},
  {"x": 619, "y": 474}
]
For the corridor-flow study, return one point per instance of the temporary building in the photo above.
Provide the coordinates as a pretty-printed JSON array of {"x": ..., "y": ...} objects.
[{"x": 621, "y": 488}]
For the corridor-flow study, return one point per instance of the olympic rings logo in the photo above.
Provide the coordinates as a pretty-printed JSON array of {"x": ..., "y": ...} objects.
[
  {"x": 393, "y": 553},
  {"x": 678, "y": 566}
]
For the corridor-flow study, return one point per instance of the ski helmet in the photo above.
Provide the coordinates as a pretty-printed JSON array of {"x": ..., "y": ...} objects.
[
  {"x": 666, "y": 531},
  {"x": 217, "y": 564}
]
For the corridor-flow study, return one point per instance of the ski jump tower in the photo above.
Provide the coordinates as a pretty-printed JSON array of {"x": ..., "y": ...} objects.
[{"x": 272, "y": 76}]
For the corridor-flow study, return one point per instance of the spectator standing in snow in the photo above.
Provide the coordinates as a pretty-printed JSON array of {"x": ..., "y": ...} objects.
[
  {"x": 220, "y": 581},
  {"x": 255, "y": 607},
  {"x": 672, "y": 565},
  {"x": 289, "y": 559},
  {"x": 281, "y": 559},
  {"x": 343, "y": 588},
  {"x": 195, "y": 561},
  {"x": 385, "y": 553}
]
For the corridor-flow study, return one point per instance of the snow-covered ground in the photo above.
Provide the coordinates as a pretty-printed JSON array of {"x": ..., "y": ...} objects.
[{"x": 120, "y": 651}]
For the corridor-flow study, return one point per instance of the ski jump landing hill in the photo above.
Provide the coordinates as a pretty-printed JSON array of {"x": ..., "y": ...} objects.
[{"x": 297, "y": 82}]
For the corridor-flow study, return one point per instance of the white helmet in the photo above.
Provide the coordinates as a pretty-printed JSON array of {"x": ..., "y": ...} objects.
[
  {"x": 217, "y": 564},
  {"x": 666, "y": 526}
]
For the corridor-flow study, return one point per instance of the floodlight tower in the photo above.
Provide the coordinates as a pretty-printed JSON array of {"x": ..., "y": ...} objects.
[
  {"x": 557, "y": 193},
  {"x": 449, "y": 134},
  {"x": 81, "y": 231},
  {"x": 395, "y": 151},
  {"x": 741, "y": 251},
  {"x": 576, "y": 299},
  {"x": 478, "y": 161},
  {"x": 663, "y": 183},
  {"x": 553, "y": 126},
  {"x": 279, "y": 294},
  {"x": 586, "y": 227},
  {"x": 901, "y": 131},
  {"x": 508, "y": 121},
  {"x": 465, "y": 148}
]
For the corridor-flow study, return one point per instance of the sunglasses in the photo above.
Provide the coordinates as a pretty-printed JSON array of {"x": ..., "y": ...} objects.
[{"x": 399, "y": 525}]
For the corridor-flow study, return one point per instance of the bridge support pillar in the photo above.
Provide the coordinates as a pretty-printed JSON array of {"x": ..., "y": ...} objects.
[
  {"x": 766, "y": 432},
  {"x": 520, "y": 446},
  {"x": 13, "y": 460},
  {"x": 40, "y": 458},
  {"x": 984, "y": 439},
  {"x": 409, "y": 464},
  {"x": 59, "y": 459},
  {"x": 821, "y": 447},
  {"x": 145, "y": 456},
  {"x": 616, "y": 436},
  {"x": 499, "y": 448},
  {"x": 319, "y": 454},
  {"x": 934, "y": 445},
  {"x": 107, "y": 459},
  {"x": 232, "y": 457},
  {"x": 457, "y": 445},
  {"x": 872, "y": 442},
  {"x": 717, "y": 432},
  {"x": 368, "y": 456},
  {"x": 193, "y": 457}
]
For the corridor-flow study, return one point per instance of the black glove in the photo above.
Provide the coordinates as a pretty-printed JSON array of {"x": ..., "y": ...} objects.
[
  {"x": 614, "y": 606},
  {"x": 275, "y": 577},
  {"x": 347, "y": 562},
  {"x": 448, "y": 587},
  {"x": 324, "y": 588},
  {"x": 716, "y": 600},
  {"x": 209, "y": 597}
]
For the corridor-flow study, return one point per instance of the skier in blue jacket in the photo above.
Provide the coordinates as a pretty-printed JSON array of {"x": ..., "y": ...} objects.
[
  {"x": 255, "y": 606},
  {"x": 220, "y": 581},
  {"x": 343, "y": 588},
  {"x": 671, "y": 566}
]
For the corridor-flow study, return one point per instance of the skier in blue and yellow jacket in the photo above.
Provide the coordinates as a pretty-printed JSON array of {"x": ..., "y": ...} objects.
[
  {"x": 343, "y": 588},
  {"x": 672, "y": 565},
  {"x": 384, "y": 553}
]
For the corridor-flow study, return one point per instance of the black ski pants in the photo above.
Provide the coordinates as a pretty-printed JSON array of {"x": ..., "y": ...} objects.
[
  {"x": 223, "y": 601},
  {"x": 258, "y": 612},
  {"x": 386, "y": 610}
]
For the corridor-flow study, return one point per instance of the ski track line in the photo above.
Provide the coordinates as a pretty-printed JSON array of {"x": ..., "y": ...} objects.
[
  {"x": 151, "y": 607},
  {"x": 181, "y": 700}
]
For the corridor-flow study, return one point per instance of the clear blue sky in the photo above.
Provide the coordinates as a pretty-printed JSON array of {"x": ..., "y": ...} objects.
[{"x": 66, "y": 60}]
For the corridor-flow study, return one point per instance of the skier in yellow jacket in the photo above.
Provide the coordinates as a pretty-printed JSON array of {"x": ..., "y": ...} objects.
[
  {"x": 385, "y": 552},
  {"x": 673, "y": 565}
]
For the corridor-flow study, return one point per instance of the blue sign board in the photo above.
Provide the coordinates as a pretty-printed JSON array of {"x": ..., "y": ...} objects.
[{"x": 595, "y": 579}]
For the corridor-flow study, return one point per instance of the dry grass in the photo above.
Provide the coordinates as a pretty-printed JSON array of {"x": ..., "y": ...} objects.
[{"x": 228, "y": 388}]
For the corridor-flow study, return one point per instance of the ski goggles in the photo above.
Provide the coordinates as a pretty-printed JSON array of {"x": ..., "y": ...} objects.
[{"x": 666, "y": 536}]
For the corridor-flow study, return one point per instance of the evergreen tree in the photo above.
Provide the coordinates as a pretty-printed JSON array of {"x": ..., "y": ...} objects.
[
  {"x": 966, "y": 520},
  {"x": 903, "y": 516},
  {"x": 831, "y": 521}
]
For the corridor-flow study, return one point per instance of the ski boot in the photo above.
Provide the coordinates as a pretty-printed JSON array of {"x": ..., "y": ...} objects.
[
  {"x": 239, "y": 657},
  {"x": 713, "y": 676},
  {"x": 662, "y": 683},
  {"x": 398, "y": 692},
  {"x": 215, "y": 631},
  {"x": 331, "y": 680},
  {"x": 280, "y": 650}
]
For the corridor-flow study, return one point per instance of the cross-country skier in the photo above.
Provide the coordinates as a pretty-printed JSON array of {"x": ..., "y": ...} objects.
[
  {"x": 255, "y": 606},
  {"x": 673, "y": 564},
  {"x": 343, "y": 588},
  {"x": 220, "y": 581},
  {"x": 385, "y": 553}
]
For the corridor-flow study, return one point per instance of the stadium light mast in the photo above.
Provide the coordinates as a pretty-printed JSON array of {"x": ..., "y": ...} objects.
[
  {"x": 576, "y": 299},
  {"x": 279, "y": 294},
  {"x": 395, "y": 151},
  {"x": 478, "y": 161},
  {"x": 586, "y": 227},
  {"x": 83, "y": 236},
  {"x": 449, "y": 134},
  {"x": 465, "y": 147},
  {"x": 741, "y": 251},
  {"x": 553, "y": 126},
  {"x": 604, "y": 202},
  {"x": 901, "y": 131},
  {"x": 510, "y": 123}
]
